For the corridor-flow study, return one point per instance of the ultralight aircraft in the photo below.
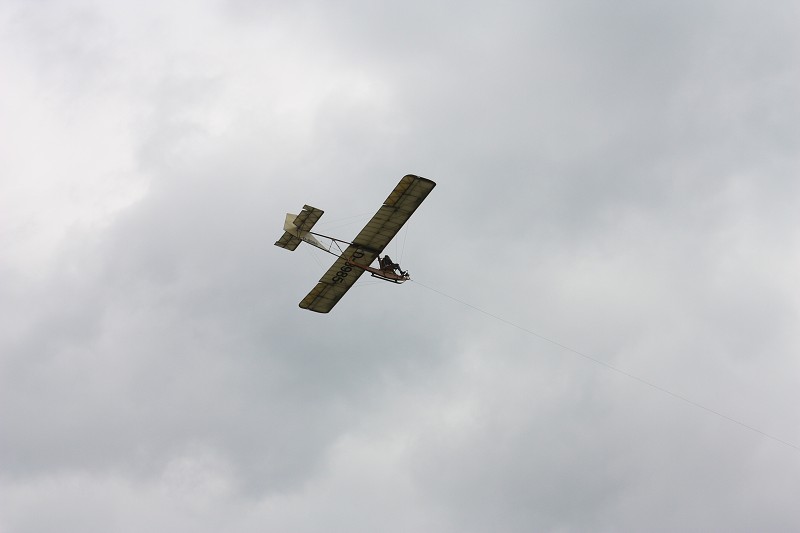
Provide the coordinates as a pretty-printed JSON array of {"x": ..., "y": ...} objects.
[{"x": 357, "y": 258}]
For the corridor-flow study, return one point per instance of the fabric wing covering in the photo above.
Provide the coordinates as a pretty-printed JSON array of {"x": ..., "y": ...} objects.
[
  {"x": 288, "y": 241},
  {"x": 369, "y": 243},
  {"x": 307, "y": 218}
]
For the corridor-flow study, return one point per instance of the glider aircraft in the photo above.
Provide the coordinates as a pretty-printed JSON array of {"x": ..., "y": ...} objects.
[{"x": 365, "y": 248}]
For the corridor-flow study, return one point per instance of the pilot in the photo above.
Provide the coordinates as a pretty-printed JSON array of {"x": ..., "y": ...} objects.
[{"x": 387, "y": 264}]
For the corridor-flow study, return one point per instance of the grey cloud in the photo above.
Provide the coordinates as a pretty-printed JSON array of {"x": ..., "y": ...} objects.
[{"x": 618, "y": 178}]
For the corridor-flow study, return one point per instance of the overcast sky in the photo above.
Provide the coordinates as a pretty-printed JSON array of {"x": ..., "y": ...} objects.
[{"x": 622, "y": 177}]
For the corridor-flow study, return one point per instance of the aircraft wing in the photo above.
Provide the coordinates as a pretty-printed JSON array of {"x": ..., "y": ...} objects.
[
  {"x": 337, "y": 280},
  {"x": 395, "y": 211},
  {"x": 369, "y": 243}
]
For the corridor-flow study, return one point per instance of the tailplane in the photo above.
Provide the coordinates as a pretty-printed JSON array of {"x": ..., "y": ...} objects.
[{"x": 296, "y": 228}]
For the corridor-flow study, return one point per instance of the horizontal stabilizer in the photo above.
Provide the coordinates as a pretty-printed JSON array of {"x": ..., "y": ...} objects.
[
  {"x": 307, "y": 218},
  {"x": 288, "y": 241},
  {"x": 296, "y": 228}
]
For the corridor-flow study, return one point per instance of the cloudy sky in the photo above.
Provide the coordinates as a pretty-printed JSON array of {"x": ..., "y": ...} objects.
[{"x": 620, "y": 177}]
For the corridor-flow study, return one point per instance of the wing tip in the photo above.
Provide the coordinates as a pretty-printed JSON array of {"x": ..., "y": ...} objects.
[
  {"x": 320, "y": 311},
  {"x": 420, "y": 178}
]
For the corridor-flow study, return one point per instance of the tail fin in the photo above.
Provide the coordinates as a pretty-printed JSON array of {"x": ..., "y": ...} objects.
[{"x": 296, "y": 228}]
